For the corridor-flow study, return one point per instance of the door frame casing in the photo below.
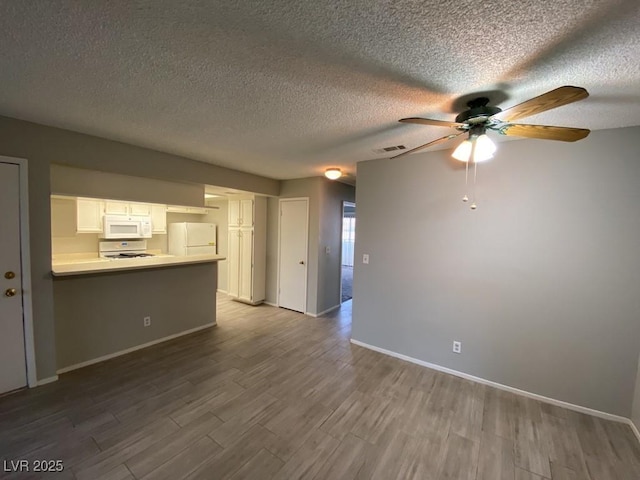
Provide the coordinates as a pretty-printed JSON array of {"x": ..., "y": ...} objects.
[
  {"x": 25, "y": 265},
  {"x": 306, "y": 247}
]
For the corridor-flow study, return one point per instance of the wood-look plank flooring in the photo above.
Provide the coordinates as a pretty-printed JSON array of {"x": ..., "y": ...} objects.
[{"x": 272, "y": 394}]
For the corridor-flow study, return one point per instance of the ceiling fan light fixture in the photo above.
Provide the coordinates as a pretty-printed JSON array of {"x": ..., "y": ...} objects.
[
  {"x": 333, "y": 173},
  {"x": 463, "y": 151},
  {"x": 484, "y": 148}
]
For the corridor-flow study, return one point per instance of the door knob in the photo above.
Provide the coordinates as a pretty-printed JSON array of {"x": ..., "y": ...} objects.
[
  {"x": 9, "y": 275},
  {"x": 301, "y": 262},
  {"x": 10, "y": 292}
]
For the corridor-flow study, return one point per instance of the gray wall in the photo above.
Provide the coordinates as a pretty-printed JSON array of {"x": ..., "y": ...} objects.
[
  {"x": 325, "y": 220},
  {"x": 98, "y": 315},
  {"x": 540, "y": 283},
  {"x": 90, "y": 183},
  {"x": 43, "y": 146},
  {"x": 73, "y": 149}
]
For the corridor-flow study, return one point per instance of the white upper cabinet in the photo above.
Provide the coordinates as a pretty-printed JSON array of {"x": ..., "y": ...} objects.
[
  {"x": 246, "y": 210},
  {"x": 139, "y": 209},
  {"x": 159, "y": 218},
  {"x": 234, "y": 213},
  {"x": 114, "y": 207},
  {"x": 181, "y": 209},
  {"x": 90, "y": 212},
  {"x": 89, "y": 215},
  {"x": 241, "y": 213}
]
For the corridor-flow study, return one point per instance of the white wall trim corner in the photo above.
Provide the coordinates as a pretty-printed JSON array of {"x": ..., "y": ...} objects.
[
  {"x": 316, "y": 315},
  {"x": 507, "y": 388},
  {"x": 222, "y": 291},
  {"x": 270, "y": 304},
  {"x": 133, "y": 349},
  {"x": 44, "y": 381},
  {"x": 25, "y": 265}
]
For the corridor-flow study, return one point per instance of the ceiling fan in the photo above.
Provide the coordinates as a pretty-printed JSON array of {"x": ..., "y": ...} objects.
[{"x": 481, "y": 117}]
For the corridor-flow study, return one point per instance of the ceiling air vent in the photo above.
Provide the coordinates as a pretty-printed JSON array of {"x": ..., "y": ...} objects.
[{"x": 390, "y": 149}]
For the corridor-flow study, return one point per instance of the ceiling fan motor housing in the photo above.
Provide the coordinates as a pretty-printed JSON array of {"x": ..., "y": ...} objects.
[{"x": 478, "y": 111}]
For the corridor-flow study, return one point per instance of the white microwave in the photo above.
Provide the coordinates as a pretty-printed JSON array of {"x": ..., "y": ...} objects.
[{"x": 127, "y": 226}]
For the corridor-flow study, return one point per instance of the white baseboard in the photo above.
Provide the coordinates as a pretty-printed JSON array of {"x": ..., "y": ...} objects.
[
  {"x": 517, "y": 391},
  {"x": 132, "y": 349},
  {"x": 316, "y": 315},
  {"x": 44, "y": 381},
  {"x": 222, "y": 291},
  {"x": 270, "y": 304}
]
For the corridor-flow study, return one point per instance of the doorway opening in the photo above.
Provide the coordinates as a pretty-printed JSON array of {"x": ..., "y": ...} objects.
[{"x": 348, "y": 243}]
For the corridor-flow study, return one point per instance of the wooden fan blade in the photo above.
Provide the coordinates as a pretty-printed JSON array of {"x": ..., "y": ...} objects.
[
  {"x": 553, "y": 99},
  {"x": 564, "y": 134},
  {"x": 427, "y": 121},
  {"x": 426, "y": 145}
]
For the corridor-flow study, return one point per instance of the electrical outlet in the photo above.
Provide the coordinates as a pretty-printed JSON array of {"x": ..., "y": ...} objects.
[
  {"x": 365, "y": 258},
  {"x": 457, "y": 347},
  {"x": 147, "y": 321}
]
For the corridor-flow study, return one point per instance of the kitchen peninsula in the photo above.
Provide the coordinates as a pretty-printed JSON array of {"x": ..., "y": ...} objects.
[
  {"x": 115, "y": 296},
  {"x": 104, "y": 308}
]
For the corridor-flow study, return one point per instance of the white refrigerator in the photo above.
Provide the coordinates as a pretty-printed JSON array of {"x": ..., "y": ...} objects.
[{"x": 187, "y": 238}]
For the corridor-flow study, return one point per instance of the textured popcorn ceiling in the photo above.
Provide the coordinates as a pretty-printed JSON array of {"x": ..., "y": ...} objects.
[{"x": 287, "y": 88}]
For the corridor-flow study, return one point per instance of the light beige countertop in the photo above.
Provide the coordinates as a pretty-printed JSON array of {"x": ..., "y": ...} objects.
[{"x": 88, "y": 263}]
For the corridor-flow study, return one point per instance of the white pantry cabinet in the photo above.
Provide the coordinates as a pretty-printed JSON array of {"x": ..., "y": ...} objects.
[
  {"x": 89, "y": 215},
  {"x": 247, "y": 249}
]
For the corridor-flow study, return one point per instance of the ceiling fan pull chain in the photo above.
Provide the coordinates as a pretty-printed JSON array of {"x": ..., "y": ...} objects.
[
  {"x": 473, "y": 205},
  {"x": 466, "y": 182}
]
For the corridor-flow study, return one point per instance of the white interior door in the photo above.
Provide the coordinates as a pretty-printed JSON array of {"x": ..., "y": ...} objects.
[
  {"x": 13, "y": 369},
  {"x": 293, "y": 254}
]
